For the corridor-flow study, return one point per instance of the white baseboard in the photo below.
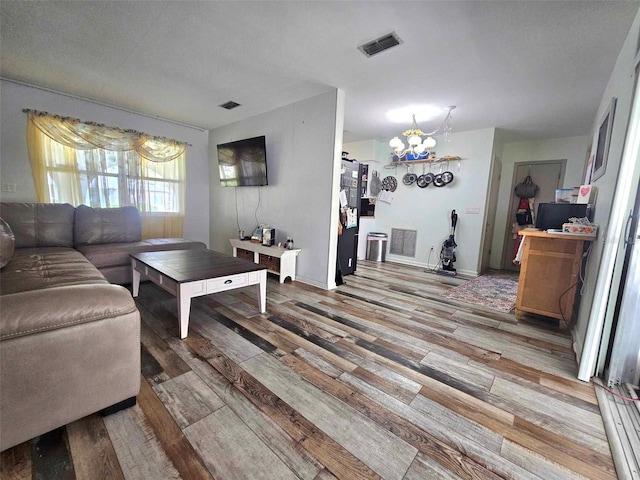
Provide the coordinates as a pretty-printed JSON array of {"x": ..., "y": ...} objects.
[
  {"x": 313, "y": 283},
  {"x": 413, "y": 263}
]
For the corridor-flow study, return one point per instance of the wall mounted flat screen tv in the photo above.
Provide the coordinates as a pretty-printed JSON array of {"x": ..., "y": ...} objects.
[{"x": 243, "y": 163}]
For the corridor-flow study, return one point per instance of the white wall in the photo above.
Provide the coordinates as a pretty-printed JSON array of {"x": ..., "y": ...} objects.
[
  {"x": 14, "y": 161},
  {"x": 368, "y": 151},
  {"x": 428, "y": 210},
  {"x": 303, "y": 152},
  {"x": 620, "y": 85},
  {"x": 573, "y": 149}
]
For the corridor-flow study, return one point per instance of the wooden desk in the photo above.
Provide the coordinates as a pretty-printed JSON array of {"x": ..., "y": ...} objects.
[{"x": 549, "y": 273}]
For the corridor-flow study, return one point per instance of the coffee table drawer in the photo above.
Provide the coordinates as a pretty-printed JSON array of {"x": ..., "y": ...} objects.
[{"x": 227, "y": 283}]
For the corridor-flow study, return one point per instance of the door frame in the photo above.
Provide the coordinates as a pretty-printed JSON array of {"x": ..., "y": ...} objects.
[
  {"x": 512, "y": 211},
  {"x": 608, "y": 285}
]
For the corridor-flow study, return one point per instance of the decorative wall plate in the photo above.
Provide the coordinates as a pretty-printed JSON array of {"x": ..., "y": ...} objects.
[{"x": 389, "y": 183}]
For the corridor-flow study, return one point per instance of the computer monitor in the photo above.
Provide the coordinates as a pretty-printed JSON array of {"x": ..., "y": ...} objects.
[{"x": 553, "y": 215}]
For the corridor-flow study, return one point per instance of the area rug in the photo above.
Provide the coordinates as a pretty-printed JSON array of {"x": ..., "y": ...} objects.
[{"x": 495, "y": 290}]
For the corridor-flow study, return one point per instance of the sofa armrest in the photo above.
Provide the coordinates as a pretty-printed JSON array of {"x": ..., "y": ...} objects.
[
  {"x": 35, "y": 311},
  {"x": 79, "y": 354}
]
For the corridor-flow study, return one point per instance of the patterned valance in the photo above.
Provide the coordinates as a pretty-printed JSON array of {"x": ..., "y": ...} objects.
[{"x": 80, "y": 135}]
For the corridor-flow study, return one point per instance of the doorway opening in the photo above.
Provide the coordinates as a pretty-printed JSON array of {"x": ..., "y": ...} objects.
[{"x": 548, "y": 175}]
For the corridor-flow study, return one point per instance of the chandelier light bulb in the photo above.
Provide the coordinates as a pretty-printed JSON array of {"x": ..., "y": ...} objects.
[
  {"x": 415, "y": 140},
  {"x": 429, "y": 143},
  {"x": 396, "y": 143},
  {"x": 419, "y": 149}
]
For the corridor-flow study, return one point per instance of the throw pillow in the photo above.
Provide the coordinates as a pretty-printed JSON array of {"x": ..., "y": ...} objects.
[{"x": 7, "y": 243}]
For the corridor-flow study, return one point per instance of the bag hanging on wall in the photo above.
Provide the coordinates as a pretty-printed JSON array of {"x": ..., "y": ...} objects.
[
  {"x": 523, "y": 204},
  {"x": 526, "y": 189},
  {"x": 524, "y": 218}
]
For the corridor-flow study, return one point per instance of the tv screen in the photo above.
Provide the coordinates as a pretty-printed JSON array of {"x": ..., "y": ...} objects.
[
  {"x": 553, "y": 215},
  {"x": 243, "y": 163}
]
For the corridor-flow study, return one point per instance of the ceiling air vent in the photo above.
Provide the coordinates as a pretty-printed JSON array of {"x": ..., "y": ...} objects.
[
  {"x": 380, "y": 44},
  {"x": 229, "y": 105}
]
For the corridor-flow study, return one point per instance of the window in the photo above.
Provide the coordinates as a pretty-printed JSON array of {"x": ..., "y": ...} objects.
[{"x": 146, "y": 172}]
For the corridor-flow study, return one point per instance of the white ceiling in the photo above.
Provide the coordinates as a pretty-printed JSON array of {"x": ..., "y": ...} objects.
[{"x": 536, "y": 68}]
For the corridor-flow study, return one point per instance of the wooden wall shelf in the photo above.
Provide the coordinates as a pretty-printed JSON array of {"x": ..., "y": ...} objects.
[{"x": 427, "y": 160}]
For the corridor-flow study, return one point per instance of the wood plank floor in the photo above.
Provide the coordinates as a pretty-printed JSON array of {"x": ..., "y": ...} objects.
[{"x": 381, "y": 378}]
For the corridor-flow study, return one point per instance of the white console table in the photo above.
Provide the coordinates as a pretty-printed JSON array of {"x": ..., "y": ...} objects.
[{"x": 278, "y": 260}]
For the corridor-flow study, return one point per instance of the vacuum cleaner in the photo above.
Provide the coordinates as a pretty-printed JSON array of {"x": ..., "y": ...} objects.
[{"x": 448, "y": 250}]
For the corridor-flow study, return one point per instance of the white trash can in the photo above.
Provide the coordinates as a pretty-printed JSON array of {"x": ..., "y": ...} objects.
[{"x": 377, "y": 246}]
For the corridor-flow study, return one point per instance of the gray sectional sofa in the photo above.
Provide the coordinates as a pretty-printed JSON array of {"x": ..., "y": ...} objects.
[{"x": 69, "y": 338}]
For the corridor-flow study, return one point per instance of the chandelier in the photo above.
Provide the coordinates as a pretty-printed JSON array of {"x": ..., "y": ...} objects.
[{"x": 419, "y": 148}]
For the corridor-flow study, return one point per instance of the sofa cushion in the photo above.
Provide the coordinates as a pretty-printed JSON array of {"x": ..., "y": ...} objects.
[
  {"x": 117, "y": 254},
  {"x": 40, "y": 224},
  {"x": 7, "y": 243},
  {"x": 95, "y": 226},
  {"x": 36, "y": 269}
]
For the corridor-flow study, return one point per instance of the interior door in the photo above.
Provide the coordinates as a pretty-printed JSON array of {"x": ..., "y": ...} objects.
[
  {"x": 494, "y": 188},
  {"x": 548, "y": 176}
]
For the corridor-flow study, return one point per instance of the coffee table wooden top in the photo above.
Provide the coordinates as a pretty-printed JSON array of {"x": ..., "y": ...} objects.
[{"x": 191, "y": 265}]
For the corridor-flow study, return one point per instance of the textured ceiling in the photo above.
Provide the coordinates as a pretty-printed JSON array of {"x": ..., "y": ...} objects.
[{"x": 536, "y": 68}]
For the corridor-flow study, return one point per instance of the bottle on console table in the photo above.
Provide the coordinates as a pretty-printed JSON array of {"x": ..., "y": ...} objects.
[{"x": 288, "y": 245}]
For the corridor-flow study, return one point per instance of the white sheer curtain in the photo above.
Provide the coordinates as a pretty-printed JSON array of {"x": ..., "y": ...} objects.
[{"x": 83, "y": 163}]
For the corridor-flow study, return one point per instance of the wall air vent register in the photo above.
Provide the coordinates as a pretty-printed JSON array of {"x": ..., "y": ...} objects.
[{"x": 403, "y": 242}]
